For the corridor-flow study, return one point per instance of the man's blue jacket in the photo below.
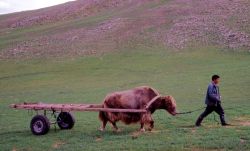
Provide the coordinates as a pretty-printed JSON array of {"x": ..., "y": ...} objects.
[{"x": 213, "y": 95}]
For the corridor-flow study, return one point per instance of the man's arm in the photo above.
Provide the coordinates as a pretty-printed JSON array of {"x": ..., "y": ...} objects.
[{"x": 213, "y": 97}]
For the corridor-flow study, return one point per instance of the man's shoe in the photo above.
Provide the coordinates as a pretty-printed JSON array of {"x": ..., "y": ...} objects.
[
  {"x": 198, "y": 122},
  {"x": 197, "y": 125},
  {"x": 225, "y": 124}
]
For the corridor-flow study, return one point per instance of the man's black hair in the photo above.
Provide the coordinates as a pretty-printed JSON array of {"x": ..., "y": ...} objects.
[{"x": 214, "y": 77}]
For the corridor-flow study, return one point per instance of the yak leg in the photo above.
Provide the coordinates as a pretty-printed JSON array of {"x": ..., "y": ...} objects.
[
  {"x": 151, "y": 123},
  {"x": 147, "y": 119},
  {"x": 113, "y": 119},
  {"x": 104, "y": 119},
  {"x": 115, "y": 126},
  {"x": 142, "y": 129},
  {"x": 104, "y": 123},
  {"x": 151, "y": 126}
]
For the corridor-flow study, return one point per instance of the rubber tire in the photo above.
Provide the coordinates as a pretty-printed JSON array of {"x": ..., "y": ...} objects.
[
  {"x": 43, "y": 125},
  {"x": 65, "y": 120}
]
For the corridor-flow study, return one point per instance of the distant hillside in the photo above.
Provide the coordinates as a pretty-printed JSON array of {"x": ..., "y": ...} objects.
[{"x": 87, "y": 27}]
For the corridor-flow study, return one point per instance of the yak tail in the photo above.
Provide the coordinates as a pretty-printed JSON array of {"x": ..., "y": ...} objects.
[{"x": 102, "y": 116}]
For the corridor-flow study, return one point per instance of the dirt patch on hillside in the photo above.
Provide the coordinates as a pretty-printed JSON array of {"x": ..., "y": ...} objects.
[
  {"x": 98, "y": 139},
  {"x": 14, "y": 149},
  {"x": 136, "y": 134},
  {"x": 245, "y": 123},
  {"x": 242, "y": 121},
  {"x": 57, "y": 144},
  {"x": 206, "y": 149},
  {"x": 242, "y": 141}
]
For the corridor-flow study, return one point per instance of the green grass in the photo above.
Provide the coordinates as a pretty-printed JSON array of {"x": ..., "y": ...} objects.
[{"x": 184, "y": 75}]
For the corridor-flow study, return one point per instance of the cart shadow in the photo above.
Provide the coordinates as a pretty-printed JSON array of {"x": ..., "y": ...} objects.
[
  {"x": 25, "y": 133},
  {"x": 22, "y": 133}
]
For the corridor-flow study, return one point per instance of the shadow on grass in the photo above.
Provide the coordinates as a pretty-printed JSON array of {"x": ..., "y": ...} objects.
[
  {"x": 21, "y": 133},
  {"x": 188, "y": 126},
  {"x": 26, "y": 74}
]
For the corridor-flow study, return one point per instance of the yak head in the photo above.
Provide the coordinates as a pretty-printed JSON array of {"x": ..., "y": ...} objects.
[
  {"x": 162, "y": 102},
  {"x": 169, "y": 104}
]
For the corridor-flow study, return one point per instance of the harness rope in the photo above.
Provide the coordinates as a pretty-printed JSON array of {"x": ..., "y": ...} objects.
[
  {"x": 189, "y": 112},
  {"x": 227, "y": 108},
  {"x": 214, "y": 116}
]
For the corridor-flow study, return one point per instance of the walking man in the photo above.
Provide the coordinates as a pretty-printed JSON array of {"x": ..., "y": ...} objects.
[{"x": 213, "y": 102}]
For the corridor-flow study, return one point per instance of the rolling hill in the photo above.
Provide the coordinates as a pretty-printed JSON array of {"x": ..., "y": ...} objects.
[{"x": 87, "y": 27}]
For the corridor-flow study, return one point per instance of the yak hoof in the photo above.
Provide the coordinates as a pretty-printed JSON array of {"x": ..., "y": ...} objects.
[
  {"x": 142, "y": 130},
  {"x": 101, "y": 129}
]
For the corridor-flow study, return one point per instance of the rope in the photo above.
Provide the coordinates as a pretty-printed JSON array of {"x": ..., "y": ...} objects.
[
  {"x": 227, "y": 108},
  {"x": 189, "y": 112},
  {"x": 214, "y": 116}
]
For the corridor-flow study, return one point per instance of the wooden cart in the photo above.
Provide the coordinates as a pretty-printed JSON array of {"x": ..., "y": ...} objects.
[{"x": 40, "y": 123}]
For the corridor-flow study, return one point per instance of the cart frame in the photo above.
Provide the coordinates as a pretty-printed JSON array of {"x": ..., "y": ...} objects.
[{"x": 40, "y": 123}]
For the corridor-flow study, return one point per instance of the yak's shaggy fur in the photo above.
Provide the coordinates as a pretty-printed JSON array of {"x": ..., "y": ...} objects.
[{"x": 136, "y": 98}]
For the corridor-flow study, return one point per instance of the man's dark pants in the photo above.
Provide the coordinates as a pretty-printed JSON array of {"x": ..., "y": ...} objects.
[{"x": 209, "y": 109}]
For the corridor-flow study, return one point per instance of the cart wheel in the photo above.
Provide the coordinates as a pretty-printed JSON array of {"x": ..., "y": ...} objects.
[
  {"x": 39, "y": 125},
  {"x": 65, "y": 120}
]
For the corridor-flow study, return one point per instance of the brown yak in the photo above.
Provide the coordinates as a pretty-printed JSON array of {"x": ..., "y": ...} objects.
[{"x": 137, "y": 98}]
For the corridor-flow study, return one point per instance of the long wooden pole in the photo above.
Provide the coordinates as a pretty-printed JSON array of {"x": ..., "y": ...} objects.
[{"x": 72, "y": 107}]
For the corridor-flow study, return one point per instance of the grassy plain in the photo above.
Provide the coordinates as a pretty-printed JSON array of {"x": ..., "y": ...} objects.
[{"x": 184, "y": 75}]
